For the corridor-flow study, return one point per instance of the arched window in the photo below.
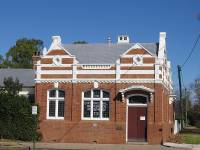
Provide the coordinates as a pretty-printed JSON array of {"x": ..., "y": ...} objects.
[
  {"x": 95, "y": 105},
  {"x": 137, "y": 100},
  {"x": 55, "y": 104}
]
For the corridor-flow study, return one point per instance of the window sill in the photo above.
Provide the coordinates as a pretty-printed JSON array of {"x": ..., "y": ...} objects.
[
  {"x": 54, "y": 118},
  {"x": 95, "y": 119}
]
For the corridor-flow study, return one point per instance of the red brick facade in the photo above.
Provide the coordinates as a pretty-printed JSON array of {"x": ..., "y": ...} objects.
[
  {"x": 120, "y": 80},
  {"x": 73, "y": 129}
]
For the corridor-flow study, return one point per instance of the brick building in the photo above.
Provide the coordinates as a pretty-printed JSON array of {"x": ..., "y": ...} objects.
[{"x": 104, "y": 93}]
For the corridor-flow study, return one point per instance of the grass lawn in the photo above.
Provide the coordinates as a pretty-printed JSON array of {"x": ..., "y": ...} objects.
[{"x": 190, "y": 138}]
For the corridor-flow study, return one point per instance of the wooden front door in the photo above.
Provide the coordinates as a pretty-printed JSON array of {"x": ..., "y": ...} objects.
[{"x": 137, "y": 123}]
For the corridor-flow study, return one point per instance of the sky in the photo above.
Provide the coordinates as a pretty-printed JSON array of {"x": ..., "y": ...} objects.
[{"x": 95, "y": 20}]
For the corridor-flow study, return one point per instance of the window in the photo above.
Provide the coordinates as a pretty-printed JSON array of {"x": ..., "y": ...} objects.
[
  {"x": 55, "y": 104},
  {"x": 137, "y": 100},
  {"x": 95, "y": 105}
]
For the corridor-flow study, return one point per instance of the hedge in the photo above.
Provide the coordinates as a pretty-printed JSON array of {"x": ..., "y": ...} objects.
[{"x": 16, "y": 119}]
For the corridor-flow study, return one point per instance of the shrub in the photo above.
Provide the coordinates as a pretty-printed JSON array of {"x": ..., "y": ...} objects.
[
  {"x": 197, "y": 124},
  {"x": 16, "y": 120}
]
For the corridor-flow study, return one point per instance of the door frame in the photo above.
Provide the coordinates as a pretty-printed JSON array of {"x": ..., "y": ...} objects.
[{"x": 134, "y": 105}]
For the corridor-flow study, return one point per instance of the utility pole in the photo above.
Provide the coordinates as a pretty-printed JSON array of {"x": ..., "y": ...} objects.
[
  {"x": 186, "y": 105},
  {"x": 180, "y": 93}
]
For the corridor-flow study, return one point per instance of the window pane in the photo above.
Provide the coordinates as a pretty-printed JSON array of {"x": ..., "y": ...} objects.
[
  {"x": 105, "y": 94},
  {"x": 87, "y": 94},
  {"x": 105, "y": 109},
  {"x": 61, "y": 93},
  {"x": 96, "y": 93},
  {"x": 96, "y": 109},
  {"x": 137, "y": 100},
  {"x": 87, "y": 108},
  {"x": 52, "y": 93},
  {"x": 61, "y": 105},
  {"x": 52, "y": 106}
]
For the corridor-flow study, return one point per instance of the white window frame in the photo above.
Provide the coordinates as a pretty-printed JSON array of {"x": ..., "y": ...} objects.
[
  {"x": 56, "y": 99},
  {"x": 91, "y": 99},
  {"x": 137, "y": 104}
]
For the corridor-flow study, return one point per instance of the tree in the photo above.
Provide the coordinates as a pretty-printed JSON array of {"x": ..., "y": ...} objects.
[
  {"x": 20, "y": 55},
  {"x": 1, "y": 61},
  {"x": 196, "y": 107},
  {"x": 80, "y": 42},
  {"x": 11, "y": 87},
  {"x": 16, "y": 120}
]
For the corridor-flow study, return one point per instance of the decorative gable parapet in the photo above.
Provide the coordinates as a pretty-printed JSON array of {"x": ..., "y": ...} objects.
[{"x": 95, "y": 66}]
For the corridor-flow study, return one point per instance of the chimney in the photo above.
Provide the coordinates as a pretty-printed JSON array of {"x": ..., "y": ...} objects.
[
  {"x": 109, "y": 40},
  {"x": 35, "y": 58},
  {"x": 162, "y": 45},
  {"x": 56, "y": 42},
  {"x": 123, "y": 39}
]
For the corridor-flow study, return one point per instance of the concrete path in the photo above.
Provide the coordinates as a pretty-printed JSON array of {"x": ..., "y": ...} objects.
[
  {"x": 189, "y": 146},
  {"x": 77, "y": 146}
]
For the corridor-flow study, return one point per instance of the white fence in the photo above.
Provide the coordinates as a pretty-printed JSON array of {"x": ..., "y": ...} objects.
[{"x": 177, "y": 126}]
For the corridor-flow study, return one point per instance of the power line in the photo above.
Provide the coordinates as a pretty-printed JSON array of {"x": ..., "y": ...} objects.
[{"x": 192, "y": 50}]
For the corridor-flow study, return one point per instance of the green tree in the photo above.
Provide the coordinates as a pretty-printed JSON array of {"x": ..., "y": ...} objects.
[
  {"x": 20, "y": 55},
  {"x": 80, "y": 42},
  {"x": 11, "y": 87},
  {"x": 16, "y": 120},
  {"x": 196, "y": 107},
  {"x": 1, "y": 61}
]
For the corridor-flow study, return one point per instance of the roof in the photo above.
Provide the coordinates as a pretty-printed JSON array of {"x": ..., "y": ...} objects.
[
  {"x": 25, "y": 76},
  {"x": 103, "y": 53}
]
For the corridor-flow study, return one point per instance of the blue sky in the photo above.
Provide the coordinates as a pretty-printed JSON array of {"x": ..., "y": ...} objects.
[{"x": 95, "y": 20}]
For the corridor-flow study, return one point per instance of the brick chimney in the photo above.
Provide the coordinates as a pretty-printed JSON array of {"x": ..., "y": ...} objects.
[{"x": 35, "y": 58}]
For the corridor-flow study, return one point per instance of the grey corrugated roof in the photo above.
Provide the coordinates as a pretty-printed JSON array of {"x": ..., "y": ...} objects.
[
  {"x": 25, "y": 76},
  {"x": 103, "y": 53}
]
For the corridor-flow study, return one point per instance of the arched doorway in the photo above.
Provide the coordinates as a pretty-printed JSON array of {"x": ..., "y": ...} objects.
[{"x": 137, "y": 117}]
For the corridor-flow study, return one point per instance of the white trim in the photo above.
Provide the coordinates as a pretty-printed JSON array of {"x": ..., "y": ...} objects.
[
  {"x": 96, "y": 72},
  {"x": 54, "y": 72},
  {"x": 53, "y": 65},
  {"x": 136, "y": 105},
  {"x": 56, "y": 99},
  {"x": 130, "y": 65},
  {"x": 137, "y": 62},
  {"x": 57, "y": 45},
  {"x": 136, "y": 46},
  {"x": 150, "y": 80},
  {"x": 95, "y": 66},
  {"x": 128, "y": 105},
  {"x": 57, "y": 60},
  {"x": 137, "y": 87},
  {"x": 39, "y": 71},
  {"x": 137, "y": 71},
  {"x": 117, "y": 71},
  {"x": 74, "y": 72},
  {"x": 61, "y": 56},
  {"x": 69, "y": 65},
  {"x": 144, "y": 56},
  {"x": 38, "y": 68}
]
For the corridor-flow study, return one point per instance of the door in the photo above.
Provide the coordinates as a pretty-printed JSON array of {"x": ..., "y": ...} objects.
[{"x": 137, "y": 124}]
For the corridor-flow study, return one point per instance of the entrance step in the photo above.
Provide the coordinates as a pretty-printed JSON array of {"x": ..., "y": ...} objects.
[{"x": 137, "y": 143}]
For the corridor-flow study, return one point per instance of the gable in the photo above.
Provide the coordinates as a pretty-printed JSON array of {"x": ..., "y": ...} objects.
[
  {"x": 137, "y": 49},
  {"x": 57, "y": 52}
]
